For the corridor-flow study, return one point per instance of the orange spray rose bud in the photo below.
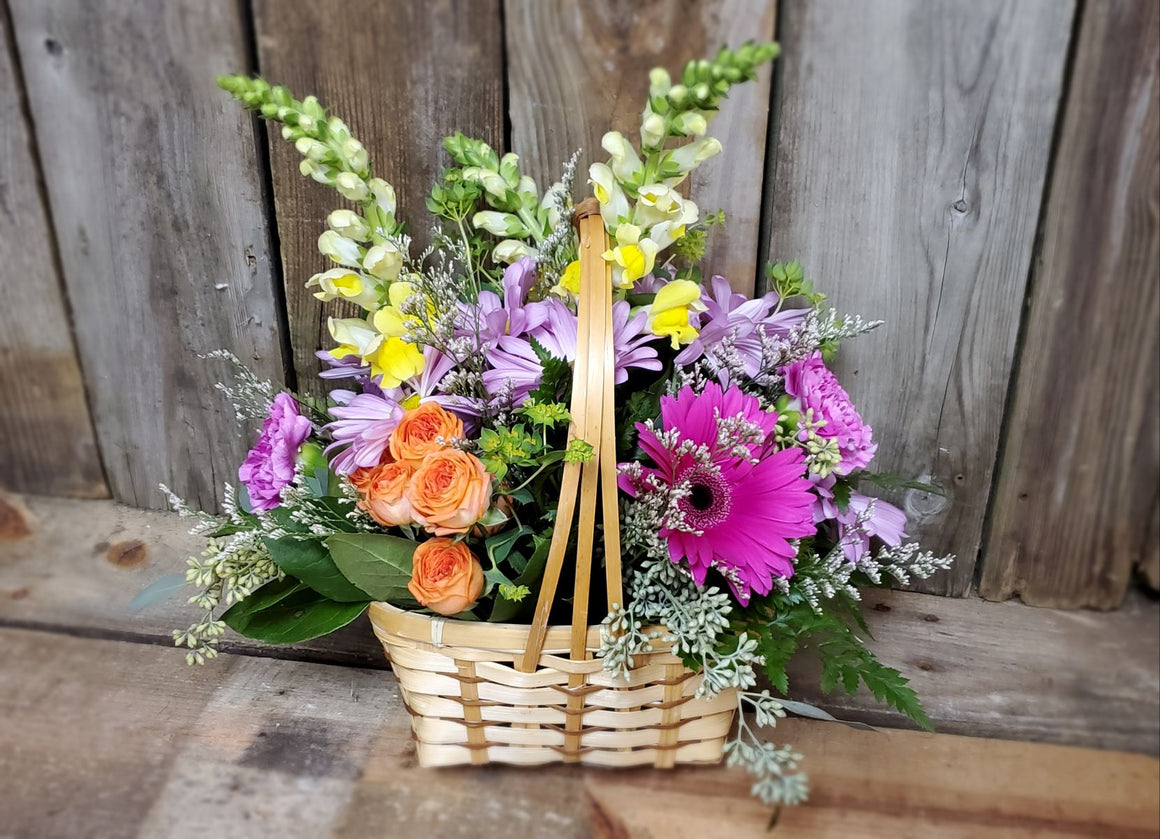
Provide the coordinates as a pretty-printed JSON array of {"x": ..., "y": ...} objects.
[
  {"x": 383, "y": 490},
  {"x": 445, "y": 576},
  {"x": 419, "y": 431},
  {"x": 449, "y": 492}
]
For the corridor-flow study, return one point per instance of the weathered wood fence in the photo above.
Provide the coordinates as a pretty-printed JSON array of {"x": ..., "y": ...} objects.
[{"x": 984, "y": 176}]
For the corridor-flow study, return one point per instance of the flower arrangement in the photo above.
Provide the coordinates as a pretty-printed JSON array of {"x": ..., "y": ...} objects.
[{"x": 429, "y": 478}]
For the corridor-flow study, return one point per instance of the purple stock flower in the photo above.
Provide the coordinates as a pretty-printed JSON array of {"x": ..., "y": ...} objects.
[
  {"x": 269, "y": 466},
  {"x": 361, "y": 431},
  {"x": 885, "y": 522},
  {"x": 812, "y": 386},
  {"x": 745, "y": 321}
]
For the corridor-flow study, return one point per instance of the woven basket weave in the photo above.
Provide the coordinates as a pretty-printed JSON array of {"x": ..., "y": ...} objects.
[
  {"x": 469, "y": 704},
  {"x": 481, "y": 692}
]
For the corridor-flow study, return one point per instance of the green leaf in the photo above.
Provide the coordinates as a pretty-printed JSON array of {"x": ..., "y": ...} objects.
[
  {"x": 309, "y": 561},
  {"x": 377, "y": 563},
  {"x": 504, "y": 610},
  {"x": 841, "y": 492},
  {"x": 892, "y": 480},
  {"x": 294, "y": 615}
]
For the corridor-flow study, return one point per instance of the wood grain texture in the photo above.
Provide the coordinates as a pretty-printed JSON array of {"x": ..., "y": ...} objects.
[
  {"x": 260, "y": 748},
  {"x": 157, "y": 204},
  {"x": 1077, "y": 497},
  {"x": 577, "y": 70},
  {"x": 47, "y": 443},
  {"x": 989, "y": 669},
  {"x": 403, "y": 76},
  {"x": 912, "y": 150}
]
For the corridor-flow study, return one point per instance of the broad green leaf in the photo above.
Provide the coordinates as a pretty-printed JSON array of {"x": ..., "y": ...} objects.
[
  {"x": 309, "y": 561},
  {"x": 297, "y": 616},
  {"x": 377, "y": 563},
  {"x": 505, "y": 610}
]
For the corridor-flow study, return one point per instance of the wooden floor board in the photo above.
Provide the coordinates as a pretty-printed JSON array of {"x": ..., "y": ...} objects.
[
  {"x": 988, "y": 669},
  {"x": 116, "y": 739}
]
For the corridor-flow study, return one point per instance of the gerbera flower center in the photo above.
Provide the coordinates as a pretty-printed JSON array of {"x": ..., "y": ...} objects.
[{"x": 709, "y": 500}]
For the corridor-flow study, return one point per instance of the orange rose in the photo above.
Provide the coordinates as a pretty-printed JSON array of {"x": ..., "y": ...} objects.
[
  {"x": 449, "y": 492},
  {"x": 384, "y": 492},
  {"x": 445, "y": 576},
  {"x": 419, "y": 431}
]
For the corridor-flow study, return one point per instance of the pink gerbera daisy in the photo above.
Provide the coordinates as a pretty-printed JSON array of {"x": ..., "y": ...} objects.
[{"x": 738, "y": 500}]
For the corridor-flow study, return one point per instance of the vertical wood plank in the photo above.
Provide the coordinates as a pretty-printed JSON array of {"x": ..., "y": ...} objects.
[
  {"x": 154, "y": 183},
  {"x": 47, "y": 443},
  {"x": 1076, "y": 500},
  {"x": 913, "y": 144},
  {"x": 403, "y": 76},
  {"x": 577, "y": 70}
]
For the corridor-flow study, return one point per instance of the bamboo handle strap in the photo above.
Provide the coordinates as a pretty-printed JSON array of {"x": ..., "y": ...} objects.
[{"x": 593, "y": 422}]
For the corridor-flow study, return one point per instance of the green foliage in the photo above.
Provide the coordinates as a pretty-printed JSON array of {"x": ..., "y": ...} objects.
[
  {"x": 841, "y": 490},
  {"x": 891, "y": 480},
  {"x": 501, "y": 448},
  {"x": 377, "y": 563},
  {"x": 579, "y": 451},
  {"x": 548, "y": 414},
  {"x": 557, "y": 375},
  {"x": 287, "y": 612},
  {"x": 788, "y": 279},
  {"x": 508, "y": 606},
  {"x": 845, "y": 660},
  {"x": 309, "y": 561}
]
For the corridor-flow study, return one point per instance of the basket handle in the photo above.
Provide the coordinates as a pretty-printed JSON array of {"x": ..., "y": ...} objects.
[{"x": 593, "y": 421}]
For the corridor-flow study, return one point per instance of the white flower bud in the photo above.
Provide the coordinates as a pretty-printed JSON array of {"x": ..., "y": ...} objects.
[
  {"x": 499, "y": 224},
  {"x": 652, "y": 131},
  {"x": 384, "y": 261},
  {"x": 509, "y": 250},
  {"x": 624, "y": 161},
  {"x": 355, "y": 154},
  {"x": 692, "y": 124},
  {"x": 311, "y": 149},
  {"x": 384, "y": 195},
  {"x": 320, "y": 172},
  {"x": 349, "y": 224},
  {"x": 340, "y": 249},
  {"x": 690, "y": 156},
  {"x": 351, "y": 186},
  {"x": 659, "y": 81}
]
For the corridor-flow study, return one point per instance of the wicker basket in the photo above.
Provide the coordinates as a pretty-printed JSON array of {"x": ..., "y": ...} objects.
[{"x": 481, "y": 693}]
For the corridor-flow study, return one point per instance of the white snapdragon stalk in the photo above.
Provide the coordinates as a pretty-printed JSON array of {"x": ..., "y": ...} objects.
[
  {"x": 623, "y": 160},
  {"x": 344, "y": 284},
  {"x": 351, "y": 186},
  {"x": 340, "y": 249},
  {"x": 609, "y": 194},
  {"x": 354, "y": 335},
  {"x": 688, "y": 157},
  {"x": 384, "y": 261},
  {"x": 511, "y": 250},
  {"x": 349, "y": 225},
  {"x": 499, "y": 224}
]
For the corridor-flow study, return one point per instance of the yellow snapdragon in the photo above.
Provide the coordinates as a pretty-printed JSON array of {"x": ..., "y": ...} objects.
[
  {"x": 632, "y": 258},
  {"x": 669, "y": 312}
]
